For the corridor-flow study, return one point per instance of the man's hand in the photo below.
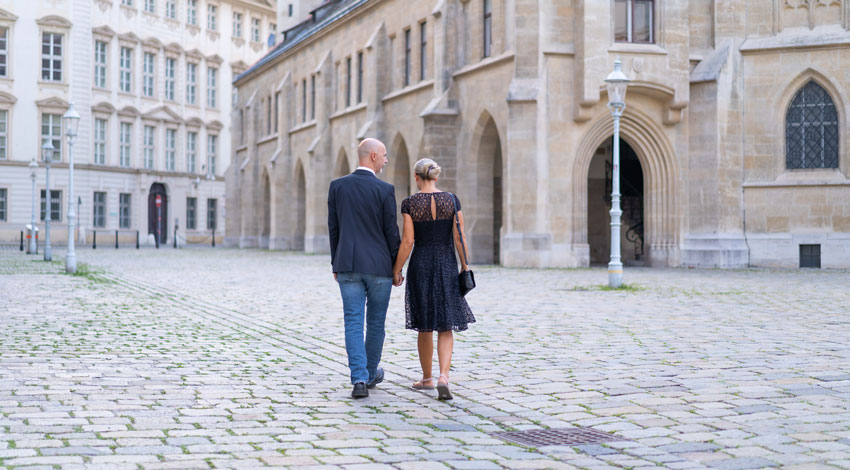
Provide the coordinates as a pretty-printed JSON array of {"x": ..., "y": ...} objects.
[
  {"x": 334, "y": 276},
  {"x": 398, "y": 279}
]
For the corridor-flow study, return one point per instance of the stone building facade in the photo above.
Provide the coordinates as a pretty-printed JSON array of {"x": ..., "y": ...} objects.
[
  {"x": 734, "y": 142},
  {"x": 151, "y": 80},
  {"x": 292, "y": 12}
]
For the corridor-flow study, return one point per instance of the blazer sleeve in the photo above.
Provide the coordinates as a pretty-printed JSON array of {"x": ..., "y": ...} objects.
[
  {"x": 390, "y": 225},
  {"x": 333, "y": 222}
]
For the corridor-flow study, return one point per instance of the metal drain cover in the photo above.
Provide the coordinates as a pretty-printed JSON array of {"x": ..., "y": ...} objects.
[{"x": 558, "y": 437}]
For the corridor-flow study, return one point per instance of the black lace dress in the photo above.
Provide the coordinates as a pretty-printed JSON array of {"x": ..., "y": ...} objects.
[{"x": 432, "y": 300}]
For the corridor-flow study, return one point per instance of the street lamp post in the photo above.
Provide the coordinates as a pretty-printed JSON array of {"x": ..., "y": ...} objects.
[
  {"x": 79, "y": 203},
  {"x": 71, "y": 119},
  {"x": 33, "y": 167},
  {"x": 617, "y": 82},
  {"x": 47, "y": 156},
  {"x": 210, "y": 176}
]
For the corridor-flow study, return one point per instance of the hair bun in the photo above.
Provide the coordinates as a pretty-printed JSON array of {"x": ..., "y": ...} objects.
[
  {"x": 427, "y": 169},
  {"x": 433, "y": 171}
]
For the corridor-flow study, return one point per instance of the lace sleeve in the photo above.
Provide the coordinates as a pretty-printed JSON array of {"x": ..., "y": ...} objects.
[
  {"x": 405, "y": 206},
  {"x": 457, "y": 201}
]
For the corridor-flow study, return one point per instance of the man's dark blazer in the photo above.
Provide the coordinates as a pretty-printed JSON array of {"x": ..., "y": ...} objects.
[{"x": 362, "y": 224}]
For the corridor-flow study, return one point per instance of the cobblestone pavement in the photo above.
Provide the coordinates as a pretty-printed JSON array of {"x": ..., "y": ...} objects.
[{"x": 204, "y": 358}]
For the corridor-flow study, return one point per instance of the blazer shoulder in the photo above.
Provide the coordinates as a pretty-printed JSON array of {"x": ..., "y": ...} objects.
[
  {"x": 342, "y": 180},
  {"x": 385, "y": 186}
]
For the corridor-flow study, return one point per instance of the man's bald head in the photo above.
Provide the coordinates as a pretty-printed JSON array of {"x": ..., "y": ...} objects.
[
  {"x": 372, "y": 154},
  {"x": 367, "y": 146}
]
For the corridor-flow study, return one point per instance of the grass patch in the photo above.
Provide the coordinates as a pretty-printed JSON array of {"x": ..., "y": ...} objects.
[
  {"x": 606, "y": 287},
  {"x": 624, "y": 287},
  {"x": 91, "y": 273}
]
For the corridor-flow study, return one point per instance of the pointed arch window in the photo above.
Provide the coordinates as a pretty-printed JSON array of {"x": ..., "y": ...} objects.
[{"x": 811, "y": 130}]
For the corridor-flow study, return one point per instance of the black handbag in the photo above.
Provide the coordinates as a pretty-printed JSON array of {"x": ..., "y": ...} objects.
[{"x": 466, "y": 279}]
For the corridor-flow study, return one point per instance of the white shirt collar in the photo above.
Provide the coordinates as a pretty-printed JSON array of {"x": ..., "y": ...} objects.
[{"x": 367, "y": 169}]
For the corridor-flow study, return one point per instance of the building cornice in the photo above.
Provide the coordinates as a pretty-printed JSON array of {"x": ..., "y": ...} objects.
[
  {"x": 802, "y": 178},
  {"x": 174, "y": 48},
  {"x": 129, "y": 111},
  {"x": 824, "y": 37},
  {"x": 54, "y": 21},
  {"x": 129, "y": 37},
  {"x": 194, "y": 54},
  {"x": 153, "y": 43},
  {"x": 6, "y": 98},
  {"x": 484, "y": 64},
  {"x": 162, "y": 113},
  {"x": 104, "y": 32},
  {"x": 238, "y": 67},
  {"x": 410, "y": 89},
  {"x": 256, "y": 6},
  {"x": 103, "y": 107},
  {"x": 344, "y": 112},
  {"x": 7, "y": 16},
  {"x": 52, "y": 102}
]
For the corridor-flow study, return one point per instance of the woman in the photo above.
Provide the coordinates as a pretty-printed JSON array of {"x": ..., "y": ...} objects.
[{"x": 432, "y": 299}]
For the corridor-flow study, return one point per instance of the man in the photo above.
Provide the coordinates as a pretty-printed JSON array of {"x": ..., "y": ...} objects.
[{"x": 364, "y": 243}]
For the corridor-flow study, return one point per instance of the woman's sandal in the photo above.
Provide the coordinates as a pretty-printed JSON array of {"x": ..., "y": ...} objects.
[
  {"x": 443, "y": 392},
  {"x": 420, "y": 385}
]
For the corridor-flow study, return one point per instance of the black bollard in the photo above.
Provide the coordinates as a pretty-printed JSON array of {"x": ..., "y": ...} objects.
[
  {"x": 116, "y": 239},
  {"x": 94, "y": 239},
  {"x": 137, "y": 239},
  {"x": 22, "y": 240}
]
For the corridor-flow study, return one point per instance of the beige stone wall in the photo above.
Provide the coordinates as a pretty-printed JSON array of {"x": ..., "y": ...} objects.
[
  {"x": 812, "y": 209},
  {"x": 312, "y": 141},
  {"x": 701, "y": 27},
  {"x": 516, "y": 132},
  {"x": 788, "y": 48}
]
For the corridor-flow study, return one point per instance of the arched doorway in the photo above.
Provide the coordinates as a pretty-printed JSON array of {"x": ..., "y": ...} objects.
[
  {"x": 266, "y": 208},
  {"x": 158, "y": 213},
  {"x": 599, "y": 184},
  {"x": 300, "y": 208},
  {"x": 660, "y": 188},
  {"x": 342, "y": 168},
  {"x": 485, "y": 226}
]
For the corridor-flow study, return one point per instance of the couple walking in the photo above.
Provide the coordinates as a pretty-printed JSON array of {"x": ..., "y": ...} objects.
[{"x": 368, "y": 256}]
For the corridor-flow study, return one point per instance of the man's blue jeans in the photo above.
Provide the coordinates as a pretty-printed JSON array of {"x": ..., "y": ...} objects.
[{"x": 372, "y": 292}]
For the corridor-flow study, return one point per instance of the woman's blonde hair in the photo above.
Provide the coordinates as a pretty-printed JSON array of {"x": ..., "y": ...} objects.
[{"x": 427, "y": 169}]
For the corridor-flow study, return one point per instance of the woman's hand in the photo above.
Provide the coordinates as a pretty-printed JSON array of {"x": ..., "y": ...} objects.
[{"x": 403, "y": 250}]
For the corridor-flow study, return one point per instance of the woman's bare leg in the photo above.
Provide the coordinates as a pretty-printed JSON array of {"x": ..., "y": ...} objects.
[
  {"x": 445, "y": 344},
  {"x": 426, "y": 352}
]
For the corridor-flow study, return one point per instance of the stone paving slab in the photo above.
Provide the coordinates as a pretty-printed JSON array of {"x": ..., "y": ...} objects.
[{"x": 205, "y": 358}]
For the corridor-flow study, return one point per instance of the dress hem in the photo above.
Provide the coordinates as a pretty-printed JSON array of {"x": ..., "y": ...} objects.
[{"x": 454, "y": 328}]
